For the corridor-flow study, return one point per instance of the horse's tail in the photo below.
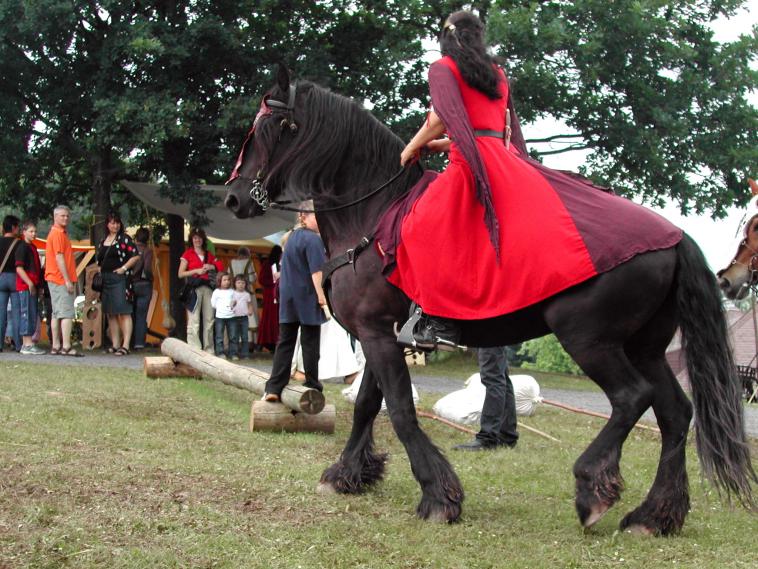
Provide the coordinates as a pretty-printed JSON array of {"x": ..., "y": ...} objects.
[{"x": 719, "y": 429}]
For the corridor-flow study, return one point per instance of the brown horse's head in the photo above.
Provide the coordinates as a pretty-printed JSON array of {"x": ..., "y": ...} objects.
[{"x": 742, "y": 272}]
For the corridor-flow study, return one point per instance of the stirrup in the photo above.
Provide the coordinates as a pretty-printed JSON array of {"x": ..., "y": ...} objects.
[{"x": 405, "y": 336}]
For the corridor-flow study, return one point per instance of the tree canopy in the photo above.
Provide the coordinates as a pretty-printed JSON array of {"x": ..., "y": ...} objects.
[{"x": 95, "y": 91}]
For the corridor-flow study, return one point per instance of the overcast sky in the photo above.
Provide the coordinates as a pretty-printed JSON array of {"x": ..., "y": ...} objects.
[{"x": 716, "y": 238}]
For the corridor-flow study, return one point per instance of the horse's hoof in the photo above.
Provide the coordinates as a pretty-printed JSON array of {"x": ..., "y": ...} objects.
[
  {"x": 595, "y": 515},
  {"x": 325, "y": 489},
  {"x": 639, "y": 529}
]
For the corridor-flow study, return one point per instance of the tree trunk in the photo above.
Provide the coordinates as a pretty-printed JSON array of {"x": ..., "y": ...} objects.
[
  {"x": 275, "y": 417},
  {"x": 162, "y": 366},
  {"x": 102, "y": 179},
  {"x": 295, "y": 397},
  {"x": 175, "y": 225}
]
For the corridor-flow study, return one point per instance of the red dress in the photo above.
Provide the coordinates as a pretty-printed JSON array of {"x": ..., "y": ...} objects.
[
  {"x": 268, "y": 329},
  {"x": 553, "y": 231}
]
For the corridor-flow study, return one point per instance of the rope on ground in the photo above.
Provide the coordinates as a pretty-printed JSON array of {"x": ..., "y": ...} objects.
[
  {"x": 463, "y": 429},
  {"x": 593, "y": 414}
]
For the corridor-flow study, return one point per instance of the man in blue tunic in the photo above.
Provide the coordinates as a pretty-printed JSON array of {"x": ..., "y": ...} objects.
[{"x": 301, "y": 301}]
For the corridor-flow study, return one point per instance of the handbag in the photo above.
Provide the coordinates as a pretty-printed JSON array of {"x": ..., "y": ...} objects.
[
  {"x": 97, "y": 282},
  {"x": 97, "y": 279}
]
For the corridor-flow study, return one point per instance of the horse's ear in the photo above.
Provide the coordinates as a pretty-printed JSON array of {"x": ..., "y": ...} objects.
[
  {"x": 283, "y": 78},
  {"x": 753, "y": 186}
]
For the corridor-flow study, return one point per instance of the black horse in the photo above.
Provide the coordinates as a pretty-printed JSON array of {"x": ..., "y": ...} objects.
[{"x": 309, "y": 142}]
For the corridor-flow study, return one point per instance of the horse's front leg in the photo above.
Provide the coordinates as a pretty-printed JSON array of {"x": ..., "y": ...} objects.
[
  {"x": 442, "y": 493},
  {"x": 359, "y": 466}
]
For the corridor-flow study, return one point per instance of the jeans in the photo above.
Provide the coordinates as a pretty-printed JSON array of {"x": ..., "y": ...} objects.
[
  {"x": 310, "y": 339},
  {"x": 498, "y": 422},
  {"x": 219, "y": 325},
  {"x": 143, "y": 292},
  {"x": 8, "y": 292},
  {"x": 28, "y": 313},
  {"x": 238, "y": 344}
]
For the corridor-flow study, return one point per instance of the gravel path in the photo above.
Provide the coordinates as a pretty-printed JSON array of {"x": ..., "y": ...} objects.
[{"x": 589, "y": 400}]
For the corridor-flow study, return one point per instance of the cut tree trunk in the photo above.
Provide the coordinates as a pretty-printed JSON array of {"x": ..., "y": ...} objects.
[
  {"x": 295, "y": 397},
  {"x": 163, "y": 366},
  {"x": 275, "y": 417}
]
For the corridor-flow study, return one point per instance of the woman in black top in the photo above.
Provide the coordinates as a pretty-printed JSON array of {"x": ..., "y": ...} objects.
[{"x": 116, "y": 255}]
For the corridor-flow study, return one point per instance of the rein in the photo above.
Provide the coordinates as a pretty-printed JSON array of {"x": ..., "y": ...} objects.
[{"x": 281, "y": 206}]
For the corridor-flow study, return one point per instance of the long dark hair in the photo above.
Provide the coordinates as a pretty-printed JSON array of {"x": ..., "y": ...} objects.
[{"x": 462, "y": 39}]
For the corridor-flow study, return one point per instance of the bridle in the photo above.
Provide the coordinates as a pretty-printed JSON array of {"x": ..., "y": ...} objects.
[
  {"x": 257, "y": 191},
  {"x": 751, "y": 265}
]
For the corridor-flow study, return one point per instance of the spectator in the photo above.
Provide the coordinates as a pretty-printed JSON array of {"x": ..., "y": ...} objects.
[
  {"x": 196, "y": 265},
  {"x": 60, "y": 274},
  {"x": 268, "y": 330},
  {"x": 498, "y": 420},
  {"x": 143, "y": 286},
  {"x": 243, "y": 306},
  {"x": 116, "y": 255},
  {"x": 222, "y": 301},
  {"x": 301, "y": 305},
  {"x": 28, "y": 280},
  {"x": 243, "y": 265},
  {"x": 9, "y": 242}
]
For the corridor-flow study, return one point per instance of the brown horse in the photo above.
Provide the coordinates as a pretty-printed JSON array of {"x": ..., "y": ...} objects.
[
  {"x": 741, "y": 274},
  {"x": 308, "y": 142}
]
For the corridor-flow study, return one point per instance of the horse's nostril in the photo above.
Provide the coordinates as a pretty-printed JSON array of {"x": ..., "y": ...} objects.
[
  {"x": 724, "y": 283},
  {"x": 232, "y": 203}
]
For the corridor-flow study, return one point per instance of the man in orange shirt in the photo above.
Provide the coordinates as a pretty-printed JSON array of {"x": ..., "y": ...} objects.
[{"x": 60, "y": 274}]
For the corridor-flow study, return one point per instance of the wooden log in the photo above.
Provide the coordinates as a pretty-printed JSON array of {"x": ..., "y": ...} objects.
[
  {"x": 295, "y": 397},
  {"x": 163, "y": 366},
  {"x": 275, "y": 417}
]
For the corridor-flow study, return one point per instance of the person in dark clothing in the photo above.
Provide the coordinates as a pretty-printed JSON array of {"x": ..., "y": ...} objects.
[
  {"x": 498, "y": 421},
  {"x": 143, "y": 286},
  {"x": 301, "y": 301},
  {"x": 9, "y": 242}
]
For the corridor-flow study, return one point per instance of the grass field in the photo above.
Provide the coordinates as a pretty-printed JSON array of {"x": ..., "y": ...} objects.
[{"x": 104, "y": 468}]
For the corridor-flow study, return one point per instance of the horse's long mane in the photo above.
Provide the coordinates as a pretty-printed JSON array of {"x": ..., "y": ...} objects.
[{"x": 340, "y": 153}]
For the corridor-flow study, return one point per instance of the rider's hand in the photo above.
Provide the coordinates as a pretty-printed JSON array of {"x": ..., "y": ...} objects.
[{"x": 408, "y": 156}]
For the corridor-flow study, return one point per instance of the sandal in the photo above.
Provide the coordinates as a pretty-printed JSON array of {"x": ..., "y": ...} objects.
[
  {"x": 71, "y": 352},
  {"x": 55, "y": 351},
  {"x": 121, "y": 352},
  {"x": 110, "y": 350}
]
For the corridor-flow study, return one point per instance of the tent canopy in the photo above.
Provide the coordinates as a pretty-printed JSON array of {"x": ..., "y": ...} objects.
[{"x": 223, "y": 224}]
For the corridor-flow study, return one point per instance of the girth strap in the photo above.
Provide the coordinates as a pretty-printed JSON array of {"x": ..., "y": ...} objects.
[{"x": 347, "y": 258}]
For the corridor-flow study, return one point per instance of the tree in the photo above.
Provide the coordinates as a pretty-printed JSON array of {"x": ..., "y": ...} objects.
[
  {"x": 96, "y": 91},
  {"x": 644, "y": 86},
  {"x": 548, "y": 355}
]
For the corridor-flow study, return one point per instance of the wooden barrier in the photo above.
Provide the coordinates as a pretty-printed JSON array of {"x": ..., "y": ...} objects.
[
  {"x": 275, "y": 417},
  {"x": 295, "y": 397},
  {"x": 162, "y": 366}
]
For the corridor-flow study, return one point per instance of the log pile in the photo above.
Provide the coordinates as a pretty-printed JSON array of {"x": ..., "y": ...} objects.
[{"x": 301, "y": 409}]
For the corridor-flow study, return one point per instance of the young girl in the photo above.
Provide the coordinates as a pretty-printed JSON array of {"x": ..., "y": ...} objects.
[
  {"x": 243, "y": 307},
  {"x": 222, "y": 301}
]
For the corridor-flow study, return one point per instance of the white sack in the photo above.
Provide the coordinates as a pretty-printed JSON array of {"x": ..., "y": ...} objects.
[
  {"x": 465, "y": 405},
  {"x": 351, "y": 393}
]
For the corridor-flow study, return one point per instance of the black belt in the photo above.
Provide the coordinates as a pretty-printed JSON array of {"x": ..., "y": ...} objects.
[{"x": 495, "y": 133}]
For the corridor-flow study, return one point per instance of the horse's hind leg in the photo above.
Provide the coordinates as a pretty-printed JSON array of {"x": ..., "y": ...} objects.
[
  {"x": 667, "y": 503},
  {"x": 359, "y": 466},
  {"x": 598, "y": 476}
]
